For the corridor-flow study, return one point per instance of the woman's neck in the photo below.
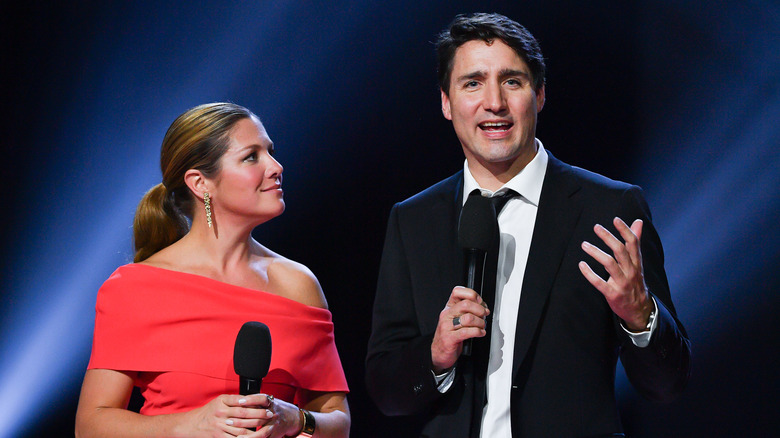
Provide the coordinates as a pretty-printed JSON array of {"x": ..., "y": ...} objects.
[{"x": 220, "y": 247}]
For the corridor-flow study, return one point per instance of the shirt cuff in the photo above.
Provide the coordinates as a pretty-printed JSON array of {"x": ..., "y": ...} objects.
[
  {"x": 444, "y": 380},
  {"x": 642, "y": 339}
]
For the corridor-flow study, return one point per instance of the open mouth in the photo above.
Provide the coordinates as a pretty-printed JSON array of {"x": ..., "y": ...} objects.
[{"x": 495, "y": 126}]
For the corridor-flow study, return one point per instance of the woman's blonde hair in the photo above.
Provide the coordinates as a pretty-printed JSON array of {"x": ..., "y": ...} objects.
[{"x": 197, "y": 140}]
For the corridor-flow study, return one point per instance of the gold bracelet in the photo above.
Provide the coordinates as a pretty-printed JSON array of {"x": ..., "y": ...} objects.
[
  {"x": 307, "y": 419},
  {"x": 307, "y": 424}
]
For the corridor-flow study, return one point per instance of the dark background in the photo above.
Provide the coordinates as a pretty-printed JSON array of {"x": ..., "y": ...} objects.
[{"x": 680, "y": 97}]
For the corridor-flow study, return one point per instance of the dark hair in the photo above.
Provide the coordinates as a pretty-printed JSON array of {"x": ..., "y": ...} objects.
[
  {"x": 488, "y": 27},
  {"x": 197, "y": 139}
]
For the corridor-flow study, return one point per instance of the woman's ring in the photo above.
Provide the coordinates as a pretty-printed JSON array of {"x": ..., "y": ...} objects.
[{"x": 270, "y": 399}]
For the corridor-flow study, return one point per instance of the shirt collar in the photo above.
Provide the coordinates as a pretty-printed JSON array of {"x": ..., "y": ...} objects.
[{"x": 528, "y": 183}]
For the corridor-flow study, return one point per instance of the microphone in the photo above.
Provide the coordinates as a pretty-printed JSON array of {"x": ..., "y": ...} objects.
[
  {"x": 477, "y": 227},
  {"x": 252, "y": 356}
]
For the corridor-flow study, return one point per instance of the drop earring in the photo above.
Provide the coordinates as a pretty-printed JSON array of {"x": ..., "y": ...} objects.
[{"x": 207, "y": 203}]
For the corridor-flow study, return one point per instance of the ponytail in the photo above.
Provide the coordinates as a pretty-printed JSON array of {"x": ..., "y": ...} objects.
[{"x": 157, "y": 223}]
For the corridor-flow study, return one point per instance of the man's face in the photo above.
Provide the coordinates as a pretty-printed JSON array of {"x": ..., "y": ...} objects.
[{"x": 493, "y": 106}]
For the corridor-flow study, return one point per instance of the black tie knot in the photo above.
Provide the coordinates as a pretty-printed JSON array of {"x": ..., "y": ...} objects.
[{"x": 499, "y": 201}]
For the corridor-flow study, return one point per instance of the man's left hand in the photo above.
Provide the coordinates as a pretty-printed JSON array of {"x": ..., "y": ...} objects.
[{"x": 625, "y": 289}]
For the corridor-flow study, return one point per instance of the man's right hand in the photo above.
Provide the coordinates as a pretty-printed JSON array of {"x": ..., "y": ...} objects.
[{"x": 462, "y": 318}]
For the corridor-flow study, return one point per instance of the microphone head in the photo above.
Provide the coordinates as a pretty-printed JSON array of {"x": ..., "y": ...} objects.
[
  {"x": 477, "y": 224},
  {"x": 252, "y": 353}
]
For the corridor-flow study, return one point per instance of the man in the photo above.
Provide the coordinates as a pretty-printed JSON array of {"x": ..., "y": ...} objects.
[{"x": 570, "y": 296}]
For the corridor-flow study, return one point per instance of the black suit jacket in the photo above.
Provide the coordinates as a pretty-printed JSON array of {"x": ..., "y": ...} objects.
[{"x": 567, "y": 341}]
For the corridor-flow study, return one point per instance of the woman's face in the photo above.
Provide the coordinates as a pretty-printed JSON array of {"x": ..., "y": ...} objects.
[{"x": 249, "y": 184}]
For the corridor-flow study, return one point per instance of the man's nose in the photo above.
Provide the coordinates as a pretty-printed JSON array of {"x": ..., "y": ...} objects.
[{"x": 494, "y": 98}]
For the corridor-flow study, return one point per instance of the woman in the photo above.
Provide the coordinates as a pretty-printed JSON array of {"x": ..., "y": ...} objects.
[{"x": 168, "y": 322}]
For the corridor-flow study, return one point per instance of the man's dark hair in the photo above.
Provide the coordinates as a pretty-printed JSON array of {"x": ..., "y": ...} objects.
[{"x": 488, "y": 27}]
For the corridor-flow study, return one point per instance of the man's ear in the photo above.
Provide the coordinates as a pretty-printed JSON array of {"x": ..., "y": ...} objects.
[
  {"x": 445, "y": 105},
  {"x": 540, "y": 98},
  {"x": 196, "y": 182}
]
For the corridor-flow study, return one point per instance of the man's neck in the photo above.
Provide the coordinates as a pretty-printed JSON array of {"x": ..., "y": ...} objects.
[{"x": 493, "y": 175}]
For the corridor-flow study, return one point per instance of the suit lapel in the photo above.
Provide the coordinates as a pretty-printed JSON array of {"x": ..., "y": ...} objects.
[
  {"x": 555, "y": 221},
  {"x": 452, "y": 259}
]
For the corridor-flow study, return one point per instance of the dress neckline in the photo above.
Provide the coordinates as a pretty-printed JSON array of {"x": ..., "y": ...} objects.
[{"x": 221, "y": 283}]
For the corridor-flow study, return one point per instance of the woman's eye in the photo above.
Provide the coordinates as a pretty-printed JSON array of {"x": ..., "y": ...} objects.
[{"x": 251, "y": 157}]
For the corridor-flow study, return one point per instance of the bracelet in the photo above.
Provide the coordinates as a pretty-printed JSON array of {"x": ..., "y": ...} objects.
[{"x": 307, "y": 423}]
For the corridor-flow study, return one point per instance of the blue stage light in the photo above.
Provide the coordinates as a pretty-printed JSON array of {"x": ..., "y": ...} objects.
[{"x": 715, "y": 191}]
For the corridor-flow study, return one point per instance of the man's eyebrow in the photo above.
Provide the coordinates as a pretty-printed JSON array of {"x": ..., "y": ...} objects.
[
  {"x": 473, "y": 75},
  {"x": 512, "y": 72},
  {"x": 507, "y": 72}
]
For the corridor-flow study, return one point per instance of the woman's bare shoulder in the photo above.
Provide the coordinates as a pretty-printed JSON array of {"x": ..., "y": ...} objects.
[{"x": 295, "y": 281}]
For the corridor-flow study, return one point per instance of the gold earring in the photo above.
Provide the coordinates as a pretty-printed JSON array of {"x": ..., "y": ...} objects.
[{"x": 207, "y": 202}]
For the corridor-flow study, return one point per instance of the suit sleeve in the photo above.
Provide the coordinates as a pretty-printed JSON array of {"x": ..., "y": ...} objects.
[
  {"x": 659, "y": 371},
  {"x": 398, "y": 363}
]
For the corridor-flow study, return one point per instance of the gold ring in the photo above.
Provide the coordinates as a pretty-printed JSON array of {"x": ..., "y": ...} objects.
[{"x": 270, "y": 399}]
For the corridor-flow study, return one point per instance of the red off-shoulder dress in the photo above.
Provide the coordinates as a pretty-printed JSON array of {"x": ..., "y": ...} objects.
[{"x": 178, "y": 330}]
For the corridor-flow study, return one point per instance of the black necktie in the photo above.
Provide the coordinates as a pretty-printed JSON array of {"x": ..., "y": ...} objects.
[
  {"x": 481, "y": 347},
  {"x": 491, "y": 262}
]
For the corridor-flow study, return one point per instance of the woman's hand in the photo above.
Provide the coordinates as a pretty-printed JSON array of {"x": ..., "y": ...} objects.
[
  {"x": 238, "y": 415},
  {"x": 286, "y": 420},
  {"x": 104, "y": 395},
  {"x": 234, "y": 415},
  {"x": 102, "y": 412}
]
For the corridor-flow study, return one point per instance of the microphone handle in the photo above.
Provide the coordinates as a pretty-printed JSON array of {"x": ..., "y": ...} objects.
[
  {"x": 249, "y": 386},
  {"x": 475, "y": 266}
]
